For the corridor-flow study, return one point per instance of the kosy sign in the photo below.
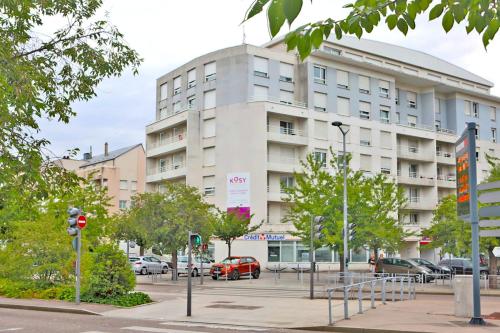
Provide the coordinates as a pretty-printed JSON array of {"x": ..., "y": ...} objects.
[{"x": 238, "y": 192}]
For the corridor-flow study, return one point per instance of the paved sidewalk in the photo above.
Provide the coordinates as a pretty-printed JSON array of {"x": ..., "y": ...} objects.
[{"x": 54, "y": 306}]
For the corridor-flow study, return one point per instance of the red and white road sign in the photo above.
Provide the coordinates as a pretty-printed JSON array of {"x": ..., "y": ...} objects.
[{"x": 81, "y": 222}]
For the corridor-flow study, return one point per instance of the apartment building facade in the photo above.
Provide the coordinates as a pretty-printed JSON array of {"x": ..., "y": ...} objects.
[{"x": 258, "y": 111}]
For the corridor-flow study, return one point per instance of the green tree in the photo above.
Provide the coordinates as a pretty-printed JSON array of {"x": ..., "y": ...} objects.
[
  {"x": 44, "y": 71},
  {"x": 168, "y": 217},
  {"x": 489, "y": 243},
  {"x": 373, "y": 204},
  {"x": 483, "y": 16},
  {"x": 230, "y": 225},
  {"x": 449, "y": 233}
]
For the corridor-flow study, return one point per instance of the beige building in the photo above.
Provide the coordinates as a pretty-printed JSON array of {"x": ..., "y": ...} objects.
[
  {"x": 258, "y": 111},
  {"x": 122, "y": 171}
]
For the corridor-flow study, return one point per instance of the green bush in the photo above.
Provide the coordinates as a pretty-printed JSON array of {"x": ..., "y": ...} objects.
[
  {"x": 107, "y": 273},
  {"x": 126, "y": 300}
]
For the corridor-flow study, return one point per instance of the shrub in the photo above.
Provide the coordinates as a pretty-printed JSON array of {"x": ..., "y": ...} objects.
[{"x": 126, "y": 300}]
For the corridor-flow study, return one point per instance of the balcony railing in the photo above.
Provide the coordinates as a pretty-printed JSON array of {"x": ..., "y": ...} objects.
[
  {"x": 168, "y": 112},
  {"x": 259, "y": 98},
  {"x": 166, "y": 168},
  {"x": 285, "y": 130},
  {"x": 445, "y": 154},
  {"x": 168, "y": 140}
]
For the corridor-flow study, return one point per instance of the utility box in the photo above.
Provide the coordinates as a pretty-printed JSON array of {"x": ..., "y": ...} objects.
[{"x": 462, "y": 288}]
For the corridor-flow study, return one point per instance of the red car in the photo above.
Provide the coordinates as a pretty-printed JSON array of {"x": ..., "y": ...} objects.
[{"x": 234, "y": 267}]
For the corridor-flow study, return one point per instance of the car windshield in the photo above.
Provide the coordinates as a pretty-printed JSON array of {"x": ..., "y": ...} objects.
[
  {"x": 134, "y": 259},
  {"x": 422, "y": 261},
  {"x": 230, "y": 261},
  {"x": 467, "y": 263},
  {"x": 183, "y": 259}
]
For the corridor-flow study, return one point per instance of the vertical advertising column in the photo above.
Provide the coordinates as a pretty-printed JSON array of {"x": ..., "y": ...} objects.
[{"x": 238, "y": 193}]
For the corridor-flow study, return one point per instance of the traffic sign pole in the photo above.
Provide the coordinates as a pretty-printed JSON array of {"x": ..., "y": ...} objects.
[{"x": 78, "y": 260}]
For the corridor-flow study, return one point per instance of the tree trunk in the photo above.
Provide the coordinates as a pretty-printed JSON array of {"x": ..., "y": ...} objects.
[
  {"x": 228, "y": 248},
  {"x": 174, "y": 266},
  {"x": 141, "y": 251},
  {"x": 493, "y": 269}
]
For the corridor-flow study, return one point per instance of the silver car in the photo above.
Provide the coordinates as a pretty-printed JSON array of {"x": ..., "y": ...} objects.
[
  {"x": 148, "y": 265},
  {"x": 182, "y": 266}
]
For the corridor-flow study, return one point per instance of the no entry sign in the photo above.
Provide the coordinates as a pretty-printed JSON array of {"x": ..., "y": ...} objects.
[{"x": 82, "y": 221}]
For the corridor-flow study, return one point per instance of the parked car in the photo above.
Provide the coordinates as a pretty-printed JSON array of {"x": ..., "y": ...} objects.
[
  {"x": 404, "y": 267},
  {"x": 443, "y": 271},
  {"x": 462, "y": 266},
  {"x": 182, "y": 266},
  {"x": 234, "y": 267},
  {"x": 147, "y": 265}
]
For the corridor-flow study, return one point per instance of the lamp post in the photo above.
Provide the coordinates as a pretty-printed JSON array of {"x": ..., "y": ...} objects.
[{"x": 346, "y": 232}]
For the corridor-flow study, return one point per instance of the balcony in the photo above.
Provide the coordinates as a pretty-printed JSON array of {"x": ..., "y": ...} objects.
[
  {"x": 414, "y": 153},
  {"x": 418, "y": 203},
  {"x": 444, "y": 157},
  {"x": 167, "y": 119},
  {"x": 449, "y": 181},
  {"x": 167, "y": 145},
  {"x": 412, "y": 178},
  {"x": 283, "y": 164},
  {"x": 169, "y": 171},
  {"x": 286, "y": 135},
  {"x": 289, "y": 108}
]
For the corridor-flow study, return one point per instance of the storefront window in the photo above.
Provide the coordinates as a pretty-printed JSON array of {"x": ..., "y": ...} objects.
[
  {"x": 211, "y": 251},
  {"x": 273, "y": 251},
  {"x": 287, "y": 251},
  {"x": 302, "y": 253},
  {"x": 336, "y": 256},
  {"x": 359, "y": 255},
  {"x": 324, "y": 254}
]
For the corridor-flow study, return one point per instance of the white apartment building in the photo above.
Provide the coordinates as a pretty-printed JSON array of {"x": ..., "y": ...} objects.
[{"x": 257, "y": 111}]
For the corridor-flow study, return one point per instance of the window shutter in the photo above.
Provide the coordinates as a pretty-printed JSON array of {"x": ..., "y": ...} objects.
[
  {"x": 364, "y": 83},
  {"x": 209, "y": 156},
  {"x": 286, "y": 70},
  {"x": 209, "y": 128},
  {"x": 320, "y": 101},
  {"x": 286, "y": 96},
  {"x": 383, "y": 84},
  {"x": 260, "y": 92},
  {"x": 340, "y": 136},
  {"x": 343, "y": 106},
  {"x": 261, "y": 65},
  {"x": 209, "y": 184},
  {"x": 385, "y": 139},
  {"x": 209, "y": 99},
  {"x": 192, "y": 76},
  {"x": 163, "y": 91},
  {"x": 342, "y": 78},
  {"x": 365, "y": 106},
  {"x": 210, "y": 68},
  {"x": 365, "y": 162},
  {"x": 385, "y": 163},
  {"x": 320, "y": 129},
  {"x": 177, "y": 82}
]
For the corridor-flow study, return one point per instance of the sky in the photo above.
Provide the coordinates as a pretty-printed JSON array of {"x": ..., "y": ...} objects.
[{"x": 169, "y": 33}]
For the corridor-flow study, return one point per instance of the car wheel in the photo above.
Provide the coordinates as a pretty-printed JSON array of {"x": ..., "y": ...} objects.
[
  {"x": 144, "y": 271},
  {"x": 214, "y": 277},
  {"x": 195, "y": 272},
  {"x": 235, "y": 275},
  {"x": 164, "y": 270},
  {"x": 484, "y": 275},
  {"x": 256, "y": 274},
  {"x": 418, "y": 278}
]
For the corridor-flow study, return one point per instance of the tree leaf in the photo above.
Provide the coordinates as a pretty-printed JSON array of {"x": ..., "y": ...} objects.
[
  {"x": 338, "y": 31},
  {"x": 304, "y": 46},
  {"x": 448, "y": 21},
  {"x": 275, "y": 16},
  {"x": 402, "y": 26},
  {"x": 291, "y": 40},
  {"x": 436, "y": 12},
  {"x": 292, "y": 8},
  {"x": 317, "y": 37},
  {"x": 374, "y": 18},
  {"x": 255, "y": 8},
  {"x": 409, "y": 20},
  {"x": 391, "y": 21}
]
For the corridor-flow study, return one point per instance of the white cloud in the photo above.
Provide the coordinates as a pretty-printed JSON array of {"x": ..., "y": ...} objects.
[{"x": 170, "y": 33}]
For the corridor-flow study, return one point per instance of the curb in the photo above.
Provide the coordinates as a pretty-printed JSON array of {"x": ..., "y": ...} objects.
[
  {"x": 350, "y": 329},
  {"x": 48, "y": 309}
]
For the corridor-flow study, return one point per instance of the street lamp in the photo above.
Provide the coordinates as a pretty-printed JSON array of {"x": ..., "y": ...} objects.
[{"x": 346, "y": 233}]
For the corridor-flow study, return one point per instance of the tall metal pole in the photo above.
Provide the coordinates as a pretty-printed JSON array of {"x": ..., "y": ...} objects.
[
  {"x": 189, "y": 276},
  {"x": 311, "y": 259},
  {"x": 77, "y": 268},
  {"x": 346, "y": 232},
  {"x": 474, "y": 217}
]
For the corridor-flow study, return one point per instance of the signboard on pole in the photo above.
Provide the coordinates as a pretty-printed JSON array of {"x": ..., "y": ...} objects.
[
  {"x": 238, "y": 193},
  {"x": 462, "y": 164},
  {"x": 81, "y": 222}
]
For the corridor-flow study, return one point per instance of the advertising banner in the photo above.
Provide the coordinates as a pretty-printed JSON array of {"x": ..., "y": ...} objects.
[{"x": 238, "y": 193}]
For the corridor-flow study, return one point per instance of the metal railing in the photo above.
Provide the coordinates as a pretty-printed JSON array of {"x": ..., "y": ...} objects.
[
  {"x": 165, "y": 168},
  {"x": 285, "y": 130},
  {"x": 358, "y": 291},
  {"x": 168, "y": 140},
  {"x": 258, "y": 98}
]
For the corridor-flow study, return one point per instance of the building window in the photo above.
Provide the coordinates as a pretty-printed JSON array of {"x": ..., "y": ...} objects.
[
  {"x": 437, "y": 106},
  {"x": 210, "y": 72},
  {"x": 321, "y": 129},
  {"x": 209, "y": 156},
  {"x": 320, "y": 156},
  {"x": 412, "y": 99},
  {"x": 177, "y": 107},
  {"x": 365, "y": 163},
  {"x": 192, "y": 78},
  {"x": 320, "y": 101},
  {"x": 123, "y": 185},
  {"x": 475, "y": 110},
  {"x": 209, "y": 128},
  {"x": 261, "y": 67},
  {"x": 437, "y": 124},
  {"x": 340, "y": 136},
  {"x": 286, "y": 182},
  {"x": 413, "y": 171},
  {"x": 286, "y": 72},
  {"x": 191, "y": 102},
  {"x": 343, "y": 106},
  {"x": 209, "y": 185},
  {"x": 286, "y": 127},
  {"x": 383, "y": 87},
  {"x": 320, "y": 74},
  {"x": 385, "y": 165},
  {"x": 364, "y": 84},
  {"x": 364, "y": 110},
  {"x": 493, "y": 113},
  {"x": 413, "y": 194},
  {"x": 385, "y": 112},
  {"x": 397, "y": 96},
  {"x": 365, "y": 137},
  {"x": 163, "y": 91},
  {"x": 413, "y": 218},
  {"x": 412, "y": 121},
  {"x": 342, "y": 79},
  {"x": 209, "y": 99},
  {"x": 332, "y": 50},
  {"x": 494, "y": 135},
  {"x": 133, "y": 185},
  {"x": 177, "y": 85},
  {"x": 467, "y": 108},
  {"x": 477, "y": 131},
  {"x": 385, "y": 139},
  {"x": 162, "y": 165},
  {"x": 122, "y": 204},
  {"x": 286, "y": 97},
  {"x": 260, "y": 93},
  {"x": 398, "y": 118}
]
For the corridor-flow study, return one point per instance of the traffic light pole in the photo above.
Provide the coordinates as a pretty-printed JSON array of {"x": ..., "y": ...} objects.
[
  {"x": 311, "y": 259},
  {"x": 78, "y": 261},
  {"x": 189, "y": 276}
]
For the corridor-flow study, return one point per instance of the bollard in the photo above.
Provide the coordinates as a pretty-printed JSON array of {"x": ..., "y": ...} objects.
[
  {"x": 373, "y": 294},
  {"x": 409, "y": 287},
  {"x": 360, "y": 299},
  {"x": 393, "y": 290},
  {"x": 279, "y": 271},
  {"x": 250, "y": 272},
  {"x": 317, "y": 272},
  {"x": 383, "y": 291},
  {"x": 298, "y": 273},
  {"x": 330, "y": 315},
  {"x": 346, "y": 303},
  {"x": 401, "y": 290}
]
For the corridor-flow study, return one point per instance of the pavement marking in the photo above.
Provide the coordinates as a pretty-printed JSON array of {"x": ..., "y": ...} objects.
[
  {"x": 94, "y": 332},
  {"x": 11, "y": 329},
  {"x": 223, "y": 326},
  {"x": 155, "y": 330}
]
